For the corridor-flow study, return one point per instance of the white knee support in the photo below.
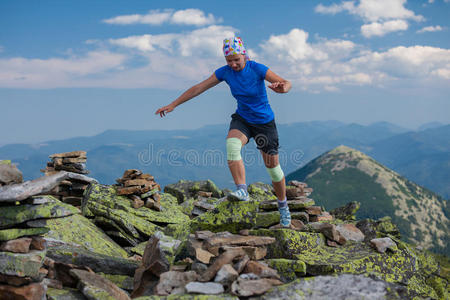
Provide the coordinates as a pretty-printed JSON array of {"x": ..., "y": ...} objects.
[
  {"x": 234, "y": 146},
  {"x": 276, "y": 173}
]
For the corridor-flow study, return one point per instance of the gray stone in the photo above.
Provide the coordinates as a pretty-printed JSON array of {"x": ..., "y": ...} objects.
[
  {"x": 207, "y": 288},
  {"x": 22, "y": 264},
  {"x": 226, "y": 275},
  {"x": 342, "y": 287},
  {"x": 65, "y": 294},
  {"x": 246, "y": 288},
  {"x": 171, "y": 281},
  {"x": 198, "y": 267},
  {"x": 382, "y": 244}
]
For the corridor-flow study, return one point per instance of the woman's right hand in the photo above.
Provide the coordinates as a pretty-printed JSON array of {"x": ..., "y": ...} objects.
[{"x": 165, "y": 109}]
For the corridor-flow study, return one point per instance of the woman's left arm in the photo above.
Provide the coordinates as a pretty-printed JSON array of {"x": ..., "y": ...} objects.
[{"x": 278, "y": 84}]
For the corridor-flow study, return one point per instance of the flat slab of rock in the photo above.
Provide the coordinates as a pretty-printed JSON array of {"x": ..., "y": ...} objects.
[
  {"x": 41, "y": 185},
  {"x": 22, "y": 264},
  {"x": 350, "y": 232},
  {"x": 246, "y": 288},
  {"x": 93, "y": 285},
  {"x": 218, "y": 240},
  {"x": 174, "y": 282},
  {"x": 12, "y": 215},
  {"x": 14, "y": 233},
  {"x": 21, "y": 245},
  {"x": 293, "y": 204},
  {"x": 33, "y": 291},
  {"x": 382, "y": 244},
  {"x": 207, "y": 288},
  {"x": 65, "y": 294}
]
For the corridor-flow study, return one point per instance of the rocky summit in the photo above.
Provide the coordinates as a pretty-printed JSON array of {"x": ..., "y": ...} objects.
[{"x": 66, "y": 236}]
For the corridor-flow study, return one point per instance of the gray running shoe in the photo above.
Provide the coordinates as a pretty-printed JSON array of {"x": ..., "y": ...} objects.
[{"x": 238, "y": 195}]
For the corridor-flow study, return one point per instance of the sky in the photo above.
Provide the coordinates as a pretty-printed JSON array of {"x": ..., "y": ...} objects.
[{"x": 78, "y": 68}]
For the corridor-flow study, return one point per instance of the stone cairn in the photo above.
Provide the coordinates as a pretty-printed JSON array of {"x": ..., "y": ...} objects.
[
  {"x": 140, "y": 188},
  {"x": 69, "y": 191},
  {"x": 215, "y": 263}
]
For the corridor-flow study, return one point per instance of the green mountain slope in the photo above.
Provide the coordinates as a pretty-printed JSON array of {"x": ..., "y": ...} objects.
[{"x": 344, "y": 174}]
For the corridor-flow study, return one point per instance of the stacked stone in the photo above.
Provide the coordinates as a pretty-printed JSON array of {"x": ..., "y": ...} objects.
[
  {"x": 216, "y": 263},
  {"x": 140, "y": 188},
  {"x": 204, "y": 202},
  {"x": 68, "y": 191},
  {"x": 302, "y": 207},
  {"x": 9, "y": 174},
  {"x": 74, "y": 161}
]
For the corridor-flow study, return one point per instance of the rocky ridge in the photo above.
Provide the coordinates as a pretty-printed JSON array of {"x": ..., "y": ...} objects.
[{"x": 198, "y": 243}]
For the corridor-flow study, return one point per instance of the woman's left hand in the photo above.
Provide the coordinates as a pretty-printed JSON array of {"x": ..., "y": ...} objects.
[{"x": 278, "y": 87}]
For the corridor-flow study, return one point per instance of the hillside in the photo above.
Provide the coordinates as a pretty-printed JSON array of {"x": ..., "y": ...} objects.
[{"x": 344, "y": 174}]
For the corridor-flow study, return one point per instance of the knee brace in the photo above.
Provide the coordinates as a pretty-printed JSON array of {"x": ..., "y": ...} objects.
[
  {"x": 234, "y": 146},
  {"x": 275, "y": 173}
]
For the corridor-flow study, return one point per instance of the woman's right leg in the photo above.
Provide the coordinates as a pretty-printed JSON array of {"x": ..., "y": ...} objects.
[{"x": 236, "y": 167}]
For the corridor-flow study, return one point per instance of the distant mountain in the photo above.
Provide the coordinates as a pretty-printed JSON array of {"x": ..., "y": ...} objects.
[
  {"x": 345, "y": 174},
  {"x": 199, "y": 154},
  {"x": 430, "y": 125}
]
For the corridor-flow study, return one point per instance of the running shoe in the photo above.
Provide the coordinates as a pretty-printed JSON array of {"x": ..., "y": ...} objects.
[
  {"x": 238, "y": 195},
  {"x": 285, "y": 216}
]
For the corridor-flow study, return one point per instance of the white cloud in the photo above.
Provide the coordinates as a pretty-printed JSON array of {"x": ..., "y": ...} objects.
[
  {"x": 202, "y": 41},
  {"x": 430, "y": 29},
  {"x": 56, "y": 72},
  {"x": 380, "y": 29},
  {"x": 380, "y": 16},
  {"x": 190, "y": 16}
]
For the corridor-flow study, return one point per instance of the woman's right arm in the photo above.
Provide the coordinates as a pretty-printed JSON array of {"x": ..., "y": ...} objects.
[{"x": 189, "y": 94}]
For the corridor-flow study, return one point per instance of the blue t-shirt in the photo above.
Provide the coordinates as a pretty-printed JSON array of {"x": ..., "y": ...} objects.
[{"x": 248, "y": 87}]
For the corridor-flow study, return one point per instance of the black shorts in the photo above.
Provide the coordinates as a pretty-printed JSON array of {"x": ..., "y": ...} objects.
[{"x": 265, "y": 135}]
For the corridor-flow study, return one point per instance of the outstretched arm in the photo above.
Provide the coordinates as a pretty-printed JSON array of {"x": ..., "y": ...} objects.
[
  {"x": 189, "y": 94},
  {"x": 278, "y": 84}
]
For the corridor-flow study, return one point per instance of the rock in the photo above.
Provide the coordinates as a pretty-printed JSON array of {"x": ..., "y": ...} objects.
[
  {"x": 16, "y": 280},
  {"x": 172, "y": 280},
  {"x": 247, "y": 288},
  {"x": 261, "y": 191},
  {"x": 288, "y": 269},
  {"x": 22, "y": 264},
  {"x": 9, "y": 174},
  {"x": 204, "y": 194},
  {"x": 350, "y": 232},
  {"x": 203, "y": 256},
  {"x": 39, "y": 199},
  {"x": 42, "y": 185},
  {"x": 81, "y": 154},
  {"x": 137, "y": 202},
  {"x": 346, "y": 212},
  {"x": 227, "y": 216},
  {"x": 261, "y": 270},
  {"x": 93, "y": 285},
  {"x": 33, "y": 291},
  {"x": 226, "y": 275},
  {"x": 238, "y": 240},
  {"x": 225, "y": 258},
  {"x": 12, "y": 215},
  {"x": 80, "y": 256},
  {"x": 331, "y": 243},
  {"x": 293, "y": 204},
  {"x": 80, "y": 230},
  {"x": 21, "y": 245},
  {"x": 203, "y": 235},
  {"x": 329, "y": 230},
  {"x": 168, "y": 245},
  {"x": 65, "y": 294},
  {"x": 337, "y": 287},
  {"x": 53, "y": 283},
  {"x": 240, "y": 265},
  {"x": 382, "y": 244},
  {"x": 14, "y": 233},
  {"x": 185, "y": 189},
  {"x": 207, "y": 288},
  {"x": 122, "y": 281},
  {"x": 380, "y": 228},
  {"x": 314, "y": 210},
  {"x": 199, "y": 267},
  {"x": 324, "y": 216},
  {"x": 153, "y": 264}
]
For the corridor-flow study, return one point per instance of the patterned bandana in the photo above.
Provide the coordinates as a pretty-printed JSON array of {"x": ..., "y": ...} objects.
[{"x": 234, "y": 45}]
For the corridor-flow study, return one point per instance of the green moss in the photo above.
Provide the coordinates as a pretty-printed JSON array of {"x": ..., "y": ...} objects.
[
  {"x": 5, "y": 162},
  {"x": 79, "y": 230},
  {"x": 288, "y": 269},
  {"x": 123, "y": 281},
  {"x": 14, "y": 233},
  {"x": 178, "y": 231},
  {"x": 227, "y": 216},
  {"x": 64, "y": 294}
]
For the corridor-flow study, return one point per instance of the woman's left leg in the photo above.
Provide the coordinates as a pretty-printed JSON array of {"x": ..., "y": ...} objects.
[{"x": 271, "y": 162}]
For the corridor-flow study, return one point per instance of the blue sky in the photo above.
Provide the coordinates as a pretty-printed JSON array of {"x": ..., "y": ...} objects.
[{"x": 77, "y": 68}]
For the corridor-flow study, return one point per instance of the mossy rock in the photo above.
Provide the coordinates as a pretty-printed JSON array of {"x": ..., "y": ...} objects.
[
  {"x": 228, "y": 216},
  {"x": 178, "y": 231},
  {"x": 80, "y": 230},
  {"x": 261, "y": 191},
  {"x": 106, "y": 196},
  {"x": 14, "y": 233},
  {"x": 288, "y": 269},
  {"x": 189, "y": 297},
  {"x": 22, "y": 264},
  {"x": 288, "y": 242},
  {"x": 266, "y": 219},
  {"x": 5, "y": 162},
  {"x": 382, "y": 227},
  {"x": 64, "y": 294},
  {"x": 80, "y": 256},
  {"x": 185, "y": 189},
  {"x": 168, "y": 245},
  {"x": 123, "y": 281},
  {"x": 12, "y": 215}
]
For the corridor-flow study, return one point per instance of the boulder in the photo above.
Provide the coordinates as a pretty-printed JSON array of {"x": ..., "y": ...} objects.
[
  {"x": 288, "y": 269},
  {"x": 22, "y": 264},
  {"x": 9, "y": 174},
  {"x": 12, "y": 215},
  {"x": 185, "y": 189},
  {"x": 261, "y": 192},
  {"x": 340, "y": 287},
  {"x": 382, "y": 244},
  {"x": 346, "y": 212},
  {"x": 350, "y": 232}
]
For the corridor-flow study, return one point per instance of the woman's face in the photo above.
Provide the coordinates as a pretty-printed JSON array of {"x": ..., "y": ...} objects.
[{"x": 236, "y": 61}]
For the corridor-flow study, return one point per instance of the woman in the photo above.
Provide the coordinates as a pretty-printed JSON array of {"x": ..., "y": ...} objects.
[{"x": 253, "y": 118}]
